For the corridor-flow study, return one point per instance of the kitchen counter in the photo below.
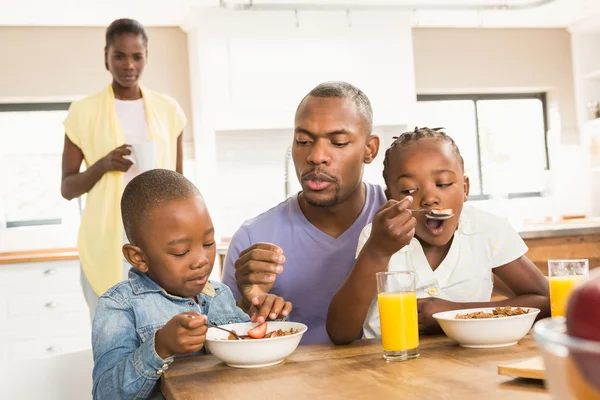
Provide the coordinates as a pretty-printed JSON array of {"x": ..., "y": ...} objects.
[
  {"x": 565, "y": 239},
  {"x": 575, "y": 227},
  {"x": 577, "y": 238},
  {"x": 17, "y": 257},
  {"x": 37, "y": 244}
]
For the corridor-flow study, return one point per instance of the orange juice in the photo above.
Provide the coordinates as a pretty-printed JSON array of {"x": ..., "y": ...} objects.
[
  {"x": 399, "y": 320},
  {"x": 560, "y": 291}
]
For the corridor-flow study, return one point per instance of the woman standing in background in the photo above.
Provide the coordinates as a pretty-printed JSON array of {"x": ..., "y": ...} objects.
[{"x": 100, "y": 130}]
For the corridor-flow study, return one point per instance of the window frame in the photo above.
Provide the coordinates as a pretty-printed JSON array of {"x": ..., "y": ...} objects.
[
  {"x": 28, "y": 107},
  {"x": 497, "y": 96}
]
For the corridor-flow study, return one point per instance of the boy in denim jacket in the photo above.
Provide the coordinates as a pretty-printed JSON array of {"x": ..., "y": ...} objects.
[{"x": 160, "y": 312}]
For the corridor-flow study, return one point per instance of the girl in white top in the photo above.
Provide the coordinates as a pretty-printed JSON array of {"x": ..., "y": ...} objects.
[{"x": 453, "y": 260}]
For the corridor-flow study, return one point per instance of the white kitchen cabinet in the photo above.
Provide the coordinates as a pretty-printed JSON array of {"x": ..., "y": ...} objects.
[
  {"x": 42, "y": 310},
  {"x": 252, "y": 69},
  {"x": 46, "y": 347}
]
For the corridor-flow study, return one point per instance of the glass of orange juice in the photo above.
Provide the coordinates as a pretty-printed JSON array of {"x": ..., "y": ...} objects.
[
  {"x": 564, "y": 276},
  {"x": 397, "y": 301}
]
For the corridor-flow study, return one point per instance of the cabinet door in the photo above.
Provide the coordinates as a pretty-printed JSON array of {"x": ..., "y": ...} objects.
[
  {"x": 51, "y": 305},
  {"x": 44, "y": 348},
  {"x": 41, "y": 277}
]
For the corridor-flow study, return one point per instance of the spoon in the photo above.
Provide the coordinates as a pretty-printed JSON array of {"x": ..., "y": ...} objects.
[
  {"x": 436, "y": 214},
  {"x": 235, "y": 335}
]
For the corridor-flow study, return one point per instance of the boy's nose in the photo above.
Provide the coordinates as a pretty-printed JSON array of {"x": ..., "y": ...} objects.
[{"x": 200, "y": 262}]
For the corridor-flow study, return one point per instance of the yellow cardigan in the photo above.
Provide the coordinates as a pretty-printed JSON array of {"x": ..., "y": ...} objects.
[{"x": 93, "y": 126}]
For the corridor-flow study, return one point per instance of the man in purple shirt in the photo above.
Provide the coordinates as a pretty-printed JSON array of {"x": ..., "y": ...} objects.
[{"x": 303, "y": 249}]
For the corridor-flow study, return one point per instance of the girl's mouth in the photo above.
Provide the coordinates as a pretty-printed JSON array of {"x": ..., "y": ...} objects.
[{"x": 435, "y": 226}]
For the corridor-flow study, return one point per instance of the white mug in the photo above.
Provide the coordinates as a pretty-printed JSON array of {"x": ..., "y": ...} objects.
[{"x": 144, "y": 155}]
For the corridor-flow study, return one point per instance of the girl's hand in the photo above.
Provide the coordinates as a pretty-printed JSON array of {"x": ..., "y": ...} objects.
[
  {"x": 429, "y": 306},
  {"x": 393, "y": 228}
]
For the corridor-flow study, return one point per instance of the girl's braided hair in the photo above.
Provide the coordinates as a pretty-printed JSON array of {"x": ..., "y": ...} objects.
[{"x": 414, "y": 136}]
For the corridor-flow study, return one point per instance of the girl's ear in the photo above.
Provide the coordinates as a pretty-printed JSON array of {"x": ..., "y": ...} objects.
[{"x": 467, "y": 187}]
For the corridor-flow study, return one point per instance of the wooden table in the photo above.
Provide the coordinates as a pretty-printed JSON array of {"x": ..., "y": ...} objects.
[{"x": 444, "y": 371}]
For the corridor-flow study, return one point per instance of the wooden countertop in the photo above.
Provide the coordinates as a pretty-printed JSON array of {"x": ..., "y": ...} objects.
[
  {"x": 26, "y": 256},
  {"x": 578, "y": 227},
  {"x": 443, "y": 370}
]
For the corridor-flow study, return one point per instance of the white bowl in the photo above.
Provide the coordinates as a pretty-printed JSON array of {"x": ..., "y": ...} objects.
[
  {"x": 254, "y": 353},
  {"x": 487, "y": 332}
]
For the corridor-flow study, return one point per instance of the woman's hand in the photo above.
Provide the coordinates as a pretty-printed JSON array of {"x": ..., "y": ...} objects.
[{"x": 116, "y": 161}]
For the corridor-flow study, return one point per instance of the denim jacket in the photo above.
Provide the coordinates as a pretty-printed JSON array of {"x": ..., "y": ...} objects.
[{"x": 126, "y": 365}]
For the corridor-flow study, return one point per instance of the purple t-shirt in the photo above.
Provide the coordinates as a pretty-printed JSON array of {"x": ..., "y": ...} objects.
[{"x": 316, "y": 263}]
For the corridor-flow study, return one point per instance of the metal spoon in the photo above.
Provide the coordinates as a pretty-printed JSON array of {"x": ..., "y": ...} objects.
[
  {"x": 235, "y": 335},
  {"x": 431, "y": 214}
]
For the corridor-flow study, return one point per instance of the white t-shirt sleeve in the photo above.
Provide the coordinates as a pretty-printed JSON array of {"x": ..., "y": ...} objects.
[
  {"x": 507, "y": 245},
  {"x": 362, "y": 239}
]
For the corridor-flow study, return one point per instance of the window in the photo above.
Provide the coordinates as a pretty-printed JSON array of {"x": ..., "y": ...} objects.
[
  {"x": 501, "y": 137},
  {"x": 31, "y": 142}
]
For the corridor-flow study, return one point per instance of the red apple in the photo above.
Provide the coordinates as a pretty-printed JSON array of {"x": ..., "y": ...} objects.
[
  {"x": 583, "y": 311},
  {"x": 583, "y": 321}
]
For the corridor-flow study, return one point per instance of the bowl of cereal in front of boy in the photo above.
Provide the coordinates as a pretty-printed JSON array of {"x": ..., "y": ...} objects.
[
  {"x": 262, "y": 345},
  {"x": 487, "y": 327}
]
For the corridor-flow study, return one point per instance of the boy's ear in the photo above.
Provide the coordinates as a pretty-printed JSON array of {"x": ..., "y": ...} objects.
[
  {"x": 135, "y": 256},
  {"x": 467, "y": 187}
]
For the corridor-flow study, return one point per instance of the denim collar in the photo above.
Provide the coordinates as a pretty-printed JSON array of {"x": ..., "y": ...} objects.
[{"x": 141, "y": 283}]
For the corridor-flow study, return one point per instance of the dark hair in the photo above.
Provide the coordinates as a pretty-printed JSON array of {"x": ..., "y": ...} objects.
[
  {"x": 148, "y": 191},
  {"x": 125, "y": 25},
  {"x": 414, "y": 136},
  {"x": 346, "y": 90}
]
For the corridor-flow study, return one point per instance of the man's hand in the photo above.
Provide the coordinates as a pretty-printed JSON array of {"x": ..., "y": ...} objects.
[{"x": 256, "y": 269}]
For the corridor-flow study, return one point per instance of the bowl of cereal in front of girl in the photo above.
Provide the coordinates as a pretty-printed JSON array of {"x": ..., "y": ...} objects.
[{"x": 487, "y": 327}]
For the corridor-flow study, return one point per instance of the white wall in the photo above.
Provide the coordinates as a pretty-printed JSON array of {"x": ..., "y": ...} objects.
[
  {"x": 500, "y": 61},
  {"x": 509, "y": 61},
  {"x": 249, "y": 71}
]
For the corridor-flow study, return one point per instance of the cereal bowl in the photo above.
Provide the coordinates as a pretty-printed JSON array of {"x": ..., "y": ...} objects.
[
  {"x": 254, "y": 353},
  {"x": 486, "y": 332}
]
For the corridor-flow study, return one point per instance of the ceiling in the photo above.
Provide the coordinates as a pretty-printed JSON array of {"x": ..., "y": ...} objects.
[{"x": 558, "y": 13}]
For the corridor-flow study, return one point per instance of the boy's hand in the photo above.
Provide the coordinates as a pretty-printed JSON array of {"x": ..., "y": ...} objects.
[
  {"x": 393, "y": 228},
  {"x": 429, "y": 306},
  {"x": 256, "y": 269},
  {"x": 269, "y": 306},
  {"x": 183, "y": 334}
]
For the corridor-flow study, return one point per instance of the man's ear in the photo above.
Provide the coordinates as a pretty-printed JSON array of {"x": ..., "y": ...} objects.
[
  {"x": 372, "y": 149},
  {"x": 135, "y": 256}
]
